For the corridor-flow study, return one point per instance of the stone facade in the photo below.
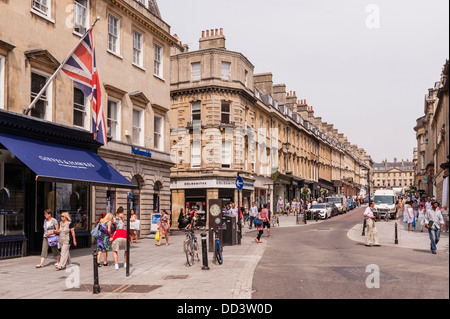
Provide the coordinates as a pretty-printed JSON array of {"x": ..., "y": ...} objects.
[
  {"x": 133, "y": 60},
  {"x": 228, "y": 121},
  {"x": 432, "y": 133}
]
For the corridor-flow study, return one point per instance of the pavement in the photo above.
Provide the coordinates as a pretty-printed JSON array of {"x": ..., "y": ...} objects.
[{"x": 161, "y": 272}]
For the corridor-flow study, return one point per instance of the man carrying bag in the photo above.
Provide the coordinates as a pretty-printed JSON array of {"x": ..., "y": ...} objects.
[{"x": 434, "y": 222}]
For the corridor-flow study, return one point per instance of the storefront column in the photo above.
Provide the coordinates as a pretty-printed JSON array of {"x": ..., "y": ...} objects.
[{"x": 178, "y": 203}]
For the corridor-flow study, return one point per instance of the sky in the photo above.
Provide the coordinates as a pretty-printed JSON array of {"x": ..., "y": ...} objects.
[{"x": 364, "y": 66}]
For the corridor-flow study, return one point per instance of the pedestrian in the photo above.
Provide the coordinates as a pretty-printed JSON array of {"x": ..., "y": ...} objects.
[
  {"x": 227, "y": 210},
  {"x": 265, "y": 217},
  {"x": 444, "y": 212},
  {"x": 372, "y": 233},
  {"x": 420, "y": 217},
  {"x": 253, "y": 213},
  {"x": 280, "y": 205},
  {"x": 434, "y": 222},
  {"x": 51, "y": 229},
  {"x": 103, "y": 243},
  {"x": 410, "y": 217},
  {"x": 164, "y": 227},
  {"x": 65, "y": 230},
  {"x": 428, "y": 204},
  {"x": 181, "y": 219},
  {"x": 234, "y": 212},
  {"x": 119, "y": 219},
  {"x": 405, "y": 212},
  {"x": 119, "y": 239},
  {"x": 260, "y": 227},
  {"x": 134, "y": 226},
  {"x": 288, "y": 205}
]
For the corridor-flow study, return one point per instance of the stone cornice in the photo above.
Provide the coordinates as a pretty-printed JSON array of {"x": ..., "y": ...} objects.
[{"x": 139, "y": 17}]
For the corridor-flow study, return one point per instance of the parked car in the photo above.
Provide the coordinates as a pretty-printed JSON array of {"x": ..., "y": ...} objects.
[
  {"x": 350, "y": 203},
  {"x": 334, "y": 209},
  {"x": 322, "y": 211},
  {"x": 340, "y": 201}
]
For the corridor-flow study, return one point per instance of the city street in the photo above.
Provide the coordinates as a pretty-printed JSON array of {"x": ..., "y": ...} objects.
[{"x": 321, "y": 261}]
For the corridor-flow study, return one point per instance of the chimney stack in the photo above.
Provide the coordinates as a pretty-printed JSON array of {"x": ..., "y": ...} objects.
[{"x": 214, "y": 40}]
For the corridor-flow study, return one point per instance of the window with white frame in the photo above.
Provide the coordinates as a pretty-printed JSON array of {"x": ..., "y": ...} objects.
[
  {"x": 80, "y": 109},
  {"x": 196, "y": 72},
  {"x": 2, "y": 81},
  {"x": 81, "y": 15},
  {"x": 225, "y": 112},
  {"x": 158, "y": 133},
  {"x": 42, "y": 108},
  {"x": 113, "y": 34},
  {"x": 158, "y": 65},
  {"x": 113, "y": 119},
  {"x": 226, "y": 71},
  {"x": 138, "y": 127},
  {"x": 137, "y": 48},
  {"x": 196, "y": 112},
  {"x": 42, "y": 6},
  {"x": 196, "y": 153},
  {"x": 226, "y": 153}
]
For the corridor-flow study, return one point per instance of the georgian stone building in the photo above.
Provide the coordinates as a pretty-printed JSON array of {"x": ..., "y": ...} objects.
[
  {"x": 396, "y": 174},
  {"x": 228, "y": 121},
  {"x": 432, "y": 134},
  {"x": 132, "y": 45}
]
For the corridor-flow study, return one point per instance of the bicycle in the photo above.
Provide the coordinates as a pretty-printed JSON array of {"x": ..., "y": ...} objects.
[
  {"x": 217, "y": 246},
  {"x": 190, "y": 247}
]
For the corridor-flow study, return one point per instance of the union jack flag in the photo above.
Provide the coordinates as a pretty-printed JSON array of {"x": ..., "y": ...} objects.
[{"x": 82, "y": 69}]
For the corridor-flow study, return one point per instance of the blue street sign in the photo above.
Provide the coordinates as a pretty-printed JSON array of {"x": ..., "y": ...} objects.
[{"x": 239, "y": 183}]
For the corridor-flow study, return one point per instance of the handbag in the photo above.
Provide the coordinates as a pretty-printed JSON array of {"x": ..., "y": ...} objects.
[
  {"x": 135, "y": 225},
  {"x": 53, "y": 241},
  {"x": 258, "y": 222},
  {"x": 96, "y": 232}
]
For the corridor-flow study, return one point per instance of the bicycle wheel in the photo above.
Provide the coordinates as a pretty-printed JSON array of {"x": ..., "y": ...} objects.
[
  {"x": 218, "y": 254},
  {"x": 195, "y": 250},
  {"x": 188, "y": 251}
]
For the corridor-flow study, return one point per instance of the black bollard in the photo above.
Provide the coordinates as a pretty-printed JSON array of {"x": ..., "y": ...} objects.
[
  {"x": 96, "y": 286},
  {"x": 396, "y": 234},
  {"x": 304, "y": 216},
  {"x": 364, "y": 228},
  {"x": 204, "y": 252}
]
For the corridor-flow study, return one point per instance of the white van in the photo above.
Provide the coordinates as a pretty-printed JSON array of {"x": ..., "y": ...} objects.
[{"x": 385, "y": 202}]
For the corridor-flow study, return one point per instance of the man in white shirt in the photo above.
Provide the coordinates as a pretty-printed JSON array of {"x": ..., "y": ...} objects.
[
  {"x": 434, "y": 222},
  {"x": 253, "y": 212},
  {"x": 372, "y": 233},
  {"x": 428, "y": 204},
  {"x": 234, "y": 212}
]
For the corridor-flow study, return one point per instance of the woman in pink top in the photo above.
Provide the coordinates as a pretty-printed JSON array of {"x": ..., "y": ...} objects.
[
  {"x": 259, "y": 228},
  {"x": 265, "y": 218}
]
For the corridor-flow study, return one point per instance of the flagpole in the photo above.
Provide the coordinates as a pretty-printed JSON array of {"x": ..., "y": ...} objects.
[{"x": 31, "y": 106}]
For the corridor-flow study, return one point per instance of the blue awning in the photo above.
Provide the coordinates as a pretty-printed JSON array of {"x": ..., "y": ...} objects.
[{"x": 56, "y": 162}]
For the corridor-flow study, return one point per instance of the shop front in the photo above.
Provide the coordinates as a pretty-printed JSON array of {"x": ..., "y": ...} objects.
[
  {"x": 47, "y": 166},
  {"x": 197, "y": 192}
]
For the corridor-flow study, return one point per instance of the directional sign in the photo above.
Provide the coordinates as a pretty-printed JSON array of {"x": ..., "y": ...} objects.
[{"x": 239, "y": 183}]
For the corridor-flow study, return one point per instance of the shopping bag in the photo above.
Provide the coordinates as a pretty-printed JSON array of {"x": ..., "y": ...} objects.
[
  {"x": 157, "y": 236},
  {"x": 135, "y": 225}
]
